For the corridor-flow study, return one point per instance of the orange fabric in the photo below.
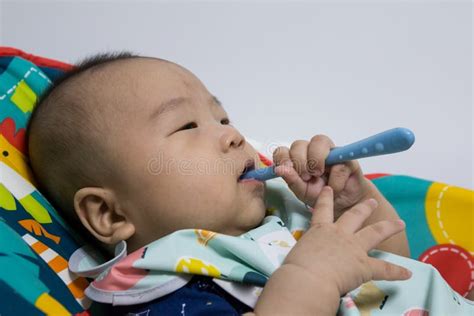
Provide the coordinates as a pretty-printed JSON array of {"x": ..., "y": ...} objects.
[
  {"x": 58, "y": 264},
  {"x": 77, "y": 287},
  {"x": 39, "y": 247}
]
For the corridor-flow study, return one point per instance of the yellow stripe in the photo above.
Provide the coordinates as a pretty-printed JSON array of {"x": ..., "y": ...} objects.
[
  {"x": 48, "y": 305},
  {"x": 23, "y": 97}
]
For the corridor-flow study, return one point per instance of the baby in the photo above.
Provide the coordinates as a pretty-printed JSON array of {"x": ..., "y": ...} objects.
[{"x": 119, "y": 145}]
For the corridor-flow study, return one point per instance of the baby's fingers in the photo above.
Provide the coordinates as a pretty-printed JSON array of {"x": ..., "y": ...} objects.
[
  {"x": 281, "y": 156},
  {"x": 318, "y": 150},
  {"x": 353, "y": 219},
  {"x": 383, "y": 270},
  {"x": 298, "y": 154},
  {"x": 292, "y": 178},
  {"x": 372, "y": 235},
  {"x": 324, "y": 208},
  {"x": 338, "y": 176}
]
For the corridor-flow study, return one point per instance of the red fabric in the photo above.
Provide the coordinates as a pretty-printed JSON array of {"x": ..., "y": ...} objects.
[
  {"x": 37, "y": 60},
  {"x": 17, "y": 140},
  {"x": 453, "y": 263},
  {"x": 372, "y": 176},
  {"x": 265, "y": 160}
]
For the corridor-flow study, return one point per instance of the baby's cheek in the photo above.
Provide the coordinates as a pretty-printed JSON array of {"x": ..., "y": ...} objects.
[{"x": 214, "y": 189}]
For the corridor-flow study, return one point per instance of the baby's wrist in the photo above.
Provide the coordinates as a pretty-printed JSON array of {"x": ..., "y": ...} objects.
[
  {"x": 371, "y": 191},
  {"x": 323, "y": 274},
  {"x": 318, "y": 292}
]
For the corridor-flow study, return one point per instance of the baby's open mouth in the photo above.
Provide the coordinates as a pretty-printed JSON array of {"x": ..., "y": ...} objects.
[{"x": 249, "y": 166}]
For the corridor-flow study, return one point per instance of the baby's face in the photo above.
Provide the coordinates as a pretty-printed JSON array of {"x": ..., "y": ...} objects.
[{"x": 180, "y": 159}]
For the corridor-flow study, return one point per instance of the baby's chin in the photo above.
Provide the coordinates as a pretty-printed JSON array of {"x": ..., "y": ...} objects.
[
  {"x": 247, "y": 217},
  {"x": 253, "y": 216}
]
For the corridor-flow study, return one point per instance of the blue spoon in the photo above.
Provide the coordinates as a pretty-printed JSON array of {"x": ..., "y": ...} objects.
[{"x": 391, "y": 141}]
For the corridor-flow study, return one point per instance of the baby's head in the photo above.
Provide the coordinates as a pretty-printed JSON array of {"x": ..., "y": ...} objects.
[{"x": 134, "y": 148}]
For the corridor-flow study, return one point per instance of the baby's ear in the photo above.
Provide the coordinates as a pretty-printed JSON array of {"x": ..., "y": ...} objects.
[{"x": 100, "y": 212}]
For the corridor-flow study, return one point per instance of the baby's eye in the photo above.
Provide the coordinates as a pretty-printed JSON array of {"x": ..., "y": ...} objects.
[
  {"x": 225, "y": 121},
  {"x": 188, "y": 126}
]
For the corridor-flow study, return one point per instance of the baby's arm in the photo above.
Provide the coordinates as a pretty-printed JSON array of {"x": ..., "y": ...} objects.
[
  {"x": 302, "y": 167},
  {"x": 328, "y": 261}
]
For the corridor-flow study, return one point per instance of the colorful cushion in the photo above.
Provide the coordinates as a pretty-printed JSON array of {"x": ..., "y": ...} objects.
[{"x": 36, "y": 243}]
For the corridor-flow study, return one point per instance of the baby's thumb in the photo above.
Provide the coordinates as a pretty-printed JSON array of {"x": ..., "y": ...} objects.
[{"x": 383, "y": 270}]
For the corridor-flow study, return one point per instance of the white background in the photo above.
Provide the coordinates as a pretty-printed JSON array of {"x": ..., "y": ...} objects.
[{"x": 288, "y": 71}]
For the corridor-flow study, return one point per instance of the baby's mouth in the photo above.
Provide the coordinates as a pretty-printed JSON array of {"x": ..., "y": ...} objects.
[{"x": 249, "y": 165}]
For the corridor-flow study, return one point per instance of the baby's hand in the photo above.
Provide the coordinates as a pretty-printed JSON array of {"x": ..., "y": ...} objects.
[
  {"x": 336, "y": 253},
  {"x": 303, "y": 169},
  {"x": 329, "y": 260}
]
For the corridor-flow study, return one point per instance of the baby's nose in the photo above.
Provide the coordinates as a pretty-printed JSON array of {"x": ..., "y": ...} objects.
[{"x": 231, "y": 138}]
